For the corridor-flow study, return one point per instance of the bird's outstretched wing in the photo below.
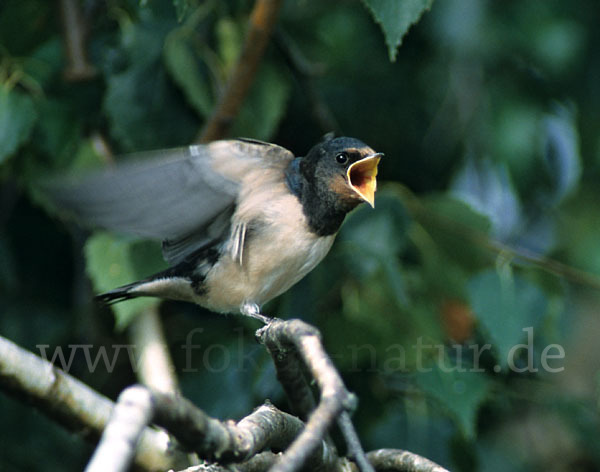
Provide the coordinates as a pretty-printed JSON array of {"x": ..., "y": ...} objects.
[{"x": 183, "y": 196}]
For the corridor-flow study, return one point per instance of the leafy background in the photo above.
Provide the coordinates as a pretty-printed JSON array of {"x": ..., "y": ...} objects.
[{"x": 489, "y": 118}]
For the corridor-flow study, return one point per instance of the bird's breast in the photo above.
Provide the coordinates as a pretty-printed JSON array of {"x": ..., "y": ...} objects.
[{"x": 279, "y": 250}]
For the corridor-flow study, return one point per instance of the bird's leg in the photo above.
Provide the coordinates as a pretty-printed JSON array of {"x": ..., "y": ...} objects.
[{"x": 253, "y": 311}]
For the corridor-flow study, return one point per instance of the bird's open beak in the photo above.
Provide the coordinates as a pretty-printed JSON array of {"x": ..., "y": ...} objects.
[{"x": 361, "y": 177}]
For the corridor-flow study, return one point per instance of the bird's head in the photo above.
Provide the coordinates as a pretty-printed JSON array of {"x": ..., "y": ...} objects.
[{"x": 344, "y": 169}]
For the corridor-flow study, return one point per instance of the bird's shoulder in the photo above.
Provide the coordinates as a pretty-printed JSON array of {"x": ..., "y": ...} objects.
[{"x": 236, "y": 158}]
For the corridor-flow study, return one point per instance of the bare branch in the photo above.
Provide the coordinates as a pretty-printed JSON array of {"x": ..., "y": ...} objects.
[
  {"x": 246, "y": 443},
  {"x": 265, "y": 428},
  {"x": 73, "y": 404},
  {"x": 214, "y": 440},
  {"x": 291, "y": 376},
  {"x": 156, "y": 369},
  {"x": 397, "y": 460},
  {"x": 355, "y": 450},
  {"x": 129, "y": 418},
  {"x": 282, "y": 336},
  {"x": 261, "y": 462},
  {"x": 482, "y": 240},
  {"x": 74, "y": 32},
  {"x": 155, "y": 365},
  {"x": 262, "y": 22}
]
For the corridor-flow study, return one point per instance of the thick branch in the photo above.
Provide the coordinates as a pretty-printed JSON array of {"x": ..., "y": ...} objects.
[
  {"x": 262, "y": 21},
  {"x": 291, "y": 377},
  {"x": 397, "y": 460},
  {"x": 265, "y": 428},
  {"x": 73, "y": 404},
  {"x": 214, "y": 440},
  {"x": 259, "y": 463}
]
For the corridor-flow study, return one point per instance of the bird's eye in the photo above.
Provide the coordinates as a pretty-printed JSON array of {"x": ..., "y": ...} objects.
[{"x": 341, "y": 158}]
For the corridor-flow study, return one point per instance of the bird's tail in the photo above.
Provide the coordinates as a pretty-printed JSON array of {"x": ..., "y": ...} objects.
[
  {"x": 168, "y": 284},
  {"x": 125, "y": 292}
]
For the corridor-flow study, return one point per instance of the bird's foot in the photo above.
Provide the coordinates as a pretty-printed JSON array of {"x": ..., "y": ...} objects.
[{"x": 253, "y": 311}]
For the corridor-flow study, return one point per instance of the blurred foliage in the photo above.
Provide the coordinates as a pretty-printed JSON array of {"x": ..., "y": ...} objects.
[
  {"x": 112, "y": 262},
  {"x": 438, "y": 306}
]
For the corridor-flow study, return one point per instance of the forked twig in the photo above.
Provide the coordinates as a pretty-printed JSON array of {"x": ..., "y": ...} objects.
[
  {"x": 285, "y": 340},
  {"x": 224, "y": 442}
]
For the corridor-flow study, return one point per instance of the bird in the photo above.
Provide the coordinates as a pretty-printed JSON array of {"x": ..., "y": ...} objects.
[{"x": 240, "y": 220}]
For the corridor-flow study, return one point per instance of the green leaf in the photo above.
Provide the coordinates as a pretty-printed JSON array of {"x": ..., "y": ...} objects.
[
  {"x": 184, "y": 68},
  {"x": 58, "y": 132},
  {"x": 395, "y": 18},
  {"x": 517, "y": 137},
  {"x": 145, "y": 112},
  {"x": 371, "y": 240},
  {"x": 45, "y": 64},
  {"x": 144, "y": 107},
  {"x": 112, "y": 262},
  {"x": 461, "y": 393},
  {"x": 505, "y": 305},
  {"x": 23, "y": 25},
  {"x": 17, "y": 116},
  {"x": 264, "y": 107},
  {"x": 181, "y": 8},
  {"x": 449, "y": 226},
  {"x": 85, "y": 158},
  {"x": 230, "y": 38},
  {"x": 451, "y": 210},
  {"x": 380, "y": 230}
]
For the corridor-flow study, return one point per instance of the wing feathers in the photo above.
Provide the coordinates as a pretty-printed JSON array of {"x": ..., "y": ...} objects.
[
  {"x": 185, "y": 196},
  {"x": 238, "y": 240}
]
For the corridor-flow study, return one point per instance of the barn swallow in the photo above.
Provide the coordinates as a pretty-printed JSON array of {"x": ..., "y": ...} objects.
[{"x": 241, "y": 221}]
